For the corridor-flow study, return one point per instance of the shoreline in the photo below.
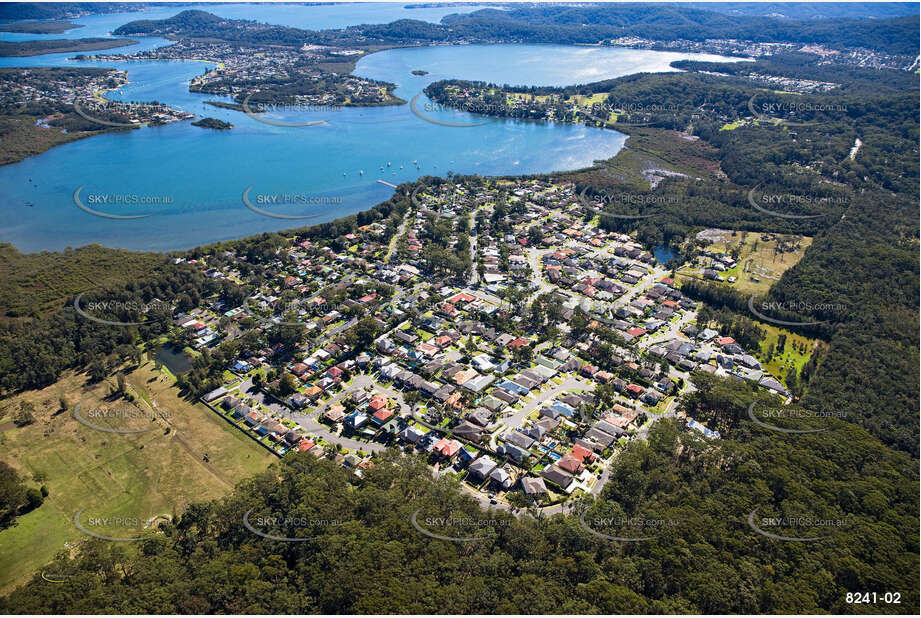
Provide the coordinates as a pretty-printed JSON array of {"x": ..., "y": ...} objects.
[
  {"x": 216, "y": 64},
  {"x": 73, "y": 45},
  {"x": 353, "y": 64},
  {"x": 292, "y": 230}
]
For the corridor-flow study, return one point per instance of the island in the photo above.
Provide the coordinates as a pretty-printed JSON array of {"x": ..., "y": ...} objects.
[
  {"x": 57, "y": 46},
  {"x": 265, "y": 66},
  {"x": 40, "y": 27},
  {"x": 419, "y": 72},
  {"x": 212, "y": 123},
  {"x": 234, "y": 106}
]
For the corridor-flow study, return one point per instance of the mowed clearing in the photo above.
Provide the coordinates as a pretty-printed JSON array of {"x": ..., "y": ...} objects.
[
  {"x": 763, "y": 258},
  {"x": 796, "y": 351},
  {"x": 132, "y": 476}
]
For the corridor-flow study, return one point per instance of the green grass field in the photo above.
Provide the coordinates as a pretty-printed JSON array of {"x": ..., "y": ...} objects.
[
  {"x": 137, "y": 476},
  {"x": 759, "y": 266},
  {"x": 781, "y": 363},
  {"x": 758, "y": 259}
]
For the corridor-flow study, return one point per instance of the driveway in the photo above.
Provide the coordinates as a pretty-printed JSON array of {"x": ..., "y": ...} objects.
[
  {"x": 518, "y": 416},
  {"x": 308, "y": 421}
]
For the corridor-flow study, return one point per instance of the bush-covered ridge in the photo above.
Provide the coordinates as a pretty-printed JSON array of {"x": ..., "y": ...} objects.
[
  {"x": 556, "y": 24},
  {"x": 368, "y": 557}
]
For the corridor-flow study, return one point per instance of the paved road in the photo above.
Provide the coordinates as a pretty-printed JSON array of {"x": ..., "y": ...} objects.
[
  {"x": 335, "y": 331},
  {"x": 671, "y": 332},
  {"x": 487, "y": 297},
  {"x": 308, "y": 421},
  {"x": 543, "y": 287},
  {"x": 605, "y": 475},
  {"x": 517, "y": 417},
  {"x": 396, "y": 238},
  {"x": 474, "y": 275}
]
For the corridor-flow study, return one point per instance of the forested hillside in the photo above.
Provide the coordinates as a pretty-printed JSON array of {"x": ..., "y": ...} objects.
[
  {"x": 556, "y": 24},
  {"x": 366, "y": 556}
]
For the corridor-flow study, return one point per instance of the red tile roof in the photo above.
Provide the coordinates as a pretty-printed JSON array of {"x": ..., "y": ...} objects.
[
  {"x": 447, "y": 448},
  {"x": 383, "y": 414},
  {"x": 518, "y": 343},
  {"x": 580, "y": 453},
  {"x": 299, "y": 369},
  {"x": 461, "y": 298},
  {"x": 635, "y": 388},
  {"x": 570, "y": 464},
  {"x": 378, "y": 402}
]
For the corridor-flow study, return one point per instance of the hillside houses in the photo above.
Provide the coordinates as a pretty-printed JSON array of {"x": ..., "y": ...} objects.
[{"x": 395, "y": 347}]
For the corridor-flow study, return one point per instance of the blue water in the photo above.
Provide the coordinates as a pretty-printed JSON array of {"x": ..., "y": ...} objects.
[
  {"x": 664, "y": 253},
  {"x": 174, "y": 359},
  {"x": 202, "y": 174},
  {"x": 317, "y": 17},
  {"x": 533, "y": 65}
]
